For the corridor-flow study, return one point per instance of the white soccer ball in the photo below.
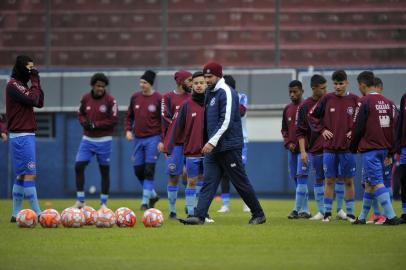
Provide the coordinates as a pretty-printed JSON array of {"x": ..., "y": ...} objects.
[
  {"x": 125, "y": 217},
  {"x": 72, "y": 218},
  {"x": 26, "y": 218},
  {"x": 90, "y": 215},
  {"x": 105, "y": 218},
  {"x": 153, "y": 218}
]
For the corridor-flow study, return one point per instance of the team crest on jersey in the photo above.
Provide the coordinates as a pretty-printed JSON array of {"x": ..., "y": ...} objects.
[
  {"x": 137, "y": 107},
  {"x": 31, "y": 165},
  {"x": 332, "y": 109},
  {"x": 103, "y": 108},
  {"x": 350, "y": 110},
  {"x": 289, "y": 119},
  {"x": 172, "y": 167},
  {"x": 177, "y": 107},
  {"x": 212, "y": 101},
  {"x": 194, "y": 114},
  {"x": 88, "y": 108},
  {"x": 152, "y": 108}
]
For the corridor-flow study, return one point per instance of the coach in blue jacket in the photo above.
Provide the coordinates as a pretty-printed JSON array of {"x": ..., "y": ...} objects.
[{"x": 222, "y": 152}]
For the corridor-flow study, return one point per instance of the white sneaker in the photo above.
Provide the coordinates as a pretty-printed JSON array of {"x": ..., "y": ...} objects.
[
  {"x": 326, "y": 219},
  {"x": 79, "y": 204},
  {"x": 318, "y": 216},
  {"x": 341, "y": 215},
  {"x": 245, "y": 208},
  {"x": 223, "y": 209},
  {"x": 209, "y": 220},
  {"x": 351, "y": 219}
]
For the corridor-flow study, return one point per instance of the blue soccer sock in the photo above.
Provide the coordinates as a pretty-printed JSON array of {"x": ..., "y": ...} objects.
[
  {"x": 350, "y": 206},
  {"x": 366, "y": 204},
  {"x": 225, "y": 197},
  {"x": 104, "y": 198},
  {"x": 148, "y": 187},
  {"x": 18, "y": 196},
  {"x": 319, "y": 196},
  {"x": 80, "y": 196},
  {"x": 190, "y": 194},
  {"x": 154, "y": 194},
  {"x": 30, "y": 192},
  {"x": 404, "y": 208},
  {"x": 172, "y": 196},
  {"x": 301, "y": 190},
  {"x": 339, "y": 190},
  {"x": 328, "y": 204},
  {"x": 383, "y": 198},
  {"x": 375, "y": 206},
  {"x": 305, "y": 206}
]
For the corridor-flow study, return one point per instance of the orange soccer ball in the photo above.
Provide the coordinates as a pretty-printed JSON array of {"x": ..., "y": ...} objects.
[
  {"x": 72, "y": 218},
  {"x": 105, "y": 218},
  {"x": 50, "y": 218},
  {"x": 153, "y": 218},
  {"x": 125, "y": 217},
  {"x": 26, "y": 218},
  {"x": 90, "y": 215}
]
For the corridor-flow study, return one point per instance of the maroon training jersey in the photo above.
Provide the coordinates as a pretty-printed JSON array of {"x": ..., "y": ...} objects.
[
  {"x": 100, "y": 111},
  {"x": 373, "y": 124},
  {"x": 314, "y": 140},
  {"x": 188, "y": 127},
  {"x": 20, "y": 101},
  {"x": 401, "y": 124},
  {"x": 334, "y": 113},
  {"x": 143, "y": 116},
  {"x": 3, "y": 126},
  {"x": 170, "y": 105},
  {"x": 289, "y": 125}
]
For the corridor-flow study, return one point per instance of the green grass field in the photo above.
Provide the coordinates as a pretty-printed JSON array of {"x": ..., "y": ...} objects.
[{"x": 229, "y": 243}]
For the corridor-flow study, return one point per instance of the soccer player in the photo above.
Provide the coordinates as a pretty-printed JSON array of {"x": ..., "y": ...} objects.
[
  {"x": 143, "y": 126},
  {"x": 225, "y": 182},
  {"x": 175, "y": 161},
  {"x": 98, "y": 116},
  {"x": 311, "y": 142},
  {"x": 3, "y": 129},
  {"x": 288, "y": 131},
  {"x": 188, "y": 127},
  {"x": 372, "y": 135},
  {"x": 223, "y": 147},
  {"x": 21, "y": 125},
  {"x": 401, "y": 148},
  {"x": 333, "y": 118}
]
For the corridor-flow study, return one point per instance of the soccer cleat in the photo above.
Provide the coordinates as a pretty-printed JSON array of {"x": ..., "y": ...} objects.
[
  {"x": 257, "y": 220},
  {"x": 359, "y": 222},
  {"x": 351, "y": 218},
  {"x": 153, "y": 201},
  {"x": 224, "y": 209},
  {"x": 341, "y": 215},
  {"x": 327, "y": 217},
  {"x": 208, "y": 219},
  {"x": 373, "y": 219},
  {"x": 144, "y": 207},
  {"x": 381, "y": 220},
  {"x": 305, "y": 215},
  {"x": 392, "y": 221},
  {"x": 172, "y": 215},
  {"x": 13, "y": 219},
  {"x": 318, "y": 216},
  {"x": 245, "y": 208},
  {"x": 403, "y": 219},
  {"x": 293, "y": 215},
  {"x": 191, "y": 221},
  {"x": 79, "y": 205}
]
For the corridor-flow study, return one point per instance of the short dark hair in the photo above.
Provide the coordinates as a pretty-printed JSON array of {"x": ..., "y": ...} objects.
[
  {"x": 296, "y": 83},
  {"x": 317, "y": 80},
  {"x": 99, "y": 77},
  {"x": 197, "y": 74},
  {"x": 229, "y": 80},
  {"x": 366, "y": 77},
  {"x": 339, "y": 76},
  {"x": 378, "y": 82}
]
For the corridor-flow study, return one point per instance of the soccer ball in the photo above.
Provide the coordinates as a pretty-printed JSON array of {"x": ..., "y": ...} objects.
[
  {"x": 105, "y": 218},
  {"x": 26, "y": 218},
  {"x": 50, "y": 218},
  {"x": 125, "y": 217},
  {"x": 153, "y": 218},
  {"x": 73, "y": 218},
  {"x": 90, "y": 215}
]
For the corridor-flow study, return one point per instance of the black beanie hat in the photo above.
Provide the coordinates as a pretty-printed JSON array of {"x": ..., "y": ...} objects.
[
  {"x": 149, "y": 76},
  {"x": 20, "y": 71}
]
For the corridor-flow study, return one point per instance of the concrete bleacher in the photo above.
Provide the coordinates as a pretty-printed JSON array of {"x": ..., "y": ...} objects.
[{"x": 128, "y": 33}]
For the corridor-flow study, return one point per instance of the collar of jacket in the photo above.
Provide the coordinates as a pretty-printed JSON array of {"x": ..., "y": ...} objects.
[{"x": 221, "y": 84}]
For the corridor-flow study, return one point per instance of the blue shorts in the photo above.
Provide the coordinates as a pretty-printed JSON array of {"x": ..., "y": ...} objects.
[
  {"x": 302, "y": 169},
  {"x": 23, "y": 154},
  {"x": 403, "y": 155},
  {"x": 374, "y": 166},
  {"x": 88, "y": 149},
  {"x": 292, "y": 165},
  {"x": 244, "y": 154},
  {"x": 194, "y": 166},
  {"x": 175, "y": 161},
  {"x": 145, "y": 150},
  {"x": 338, "y": 164},
  {"x": 317, "y": 164}
]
